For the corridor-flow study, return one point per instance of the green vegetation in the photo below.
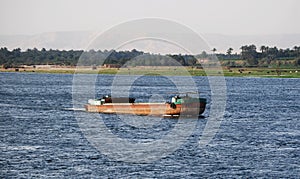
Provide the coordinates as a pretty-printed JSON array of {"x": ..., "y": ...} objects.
[
  {"x": 249, "y": 57},
  {"x": 267, "y": 62}
]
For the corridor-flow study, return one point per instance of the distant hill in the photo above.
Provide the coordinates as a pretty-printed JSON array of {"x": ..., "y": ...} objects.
[
  {"x": 56, "y": 40},
  {"x": 80, "y": 39}
]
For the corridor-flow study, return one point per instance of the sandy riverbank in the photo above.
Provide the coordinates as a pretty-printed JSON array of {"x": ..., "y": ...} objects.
[{"x": 173, "y": 71}]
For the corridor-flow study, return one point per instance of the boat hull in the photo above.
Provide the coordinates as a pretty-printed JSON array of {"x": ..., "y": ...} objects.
[{"x": 153, "y": 109}]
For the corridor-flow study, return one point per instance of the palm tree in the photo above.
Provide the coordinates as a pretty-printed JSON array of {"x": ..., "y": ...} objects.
[
  {"x": 263, "y": 48},
  {"x": 296, "y": 49},
  {"x": 214, "y": 50},
  {"x": 229, "y": 51}
]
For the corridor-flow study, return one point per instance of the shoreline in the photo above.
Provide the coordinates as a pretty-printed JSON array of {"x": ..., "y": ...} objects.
[{"x": 168, "y": 71}]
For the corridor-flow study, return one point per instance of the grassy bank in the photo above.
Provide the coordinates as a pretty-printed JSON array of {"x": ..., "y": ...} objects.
[{"x": 171, "y": 71}]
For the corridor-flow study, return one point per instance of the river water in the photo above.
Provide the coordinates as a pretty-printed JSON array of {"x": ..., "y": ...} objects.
[{"x": 259, "y": 135}]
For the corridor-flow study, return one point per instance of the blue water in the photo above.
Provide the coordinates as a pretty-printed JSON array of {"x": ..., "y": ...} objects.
[{"x": 40, "y": 136}]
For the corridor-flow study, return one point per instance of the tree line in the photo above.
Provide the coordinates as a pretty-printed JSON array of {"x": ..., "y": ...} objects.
[
  {"x": 16, "y": 57},
  {"x": 268, "y": 54},
  {"x": 249, "y": 54}
]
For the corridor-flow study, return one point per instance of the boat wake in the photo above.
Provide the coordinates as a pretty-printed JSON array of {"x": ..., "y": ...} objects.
[
  {"x": 74, "y": 109},
  {"x": 41, "y": 107}
]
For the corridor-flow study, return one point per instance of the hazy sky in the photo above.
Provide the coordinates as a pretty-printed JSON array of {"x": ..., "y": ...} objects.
[{"x": 232, "y": 17}]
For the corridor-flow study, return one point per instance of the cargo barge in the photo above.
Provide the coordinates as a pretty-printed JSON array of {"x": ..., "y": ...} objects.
[{"x": 178, "y": 106}]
